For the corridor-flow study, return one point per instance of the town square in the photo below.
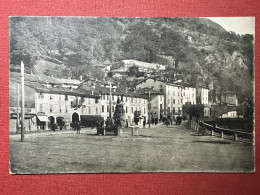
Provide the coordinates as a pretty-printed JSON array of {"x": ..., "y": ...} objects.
[{"x": 112, "y": 95}]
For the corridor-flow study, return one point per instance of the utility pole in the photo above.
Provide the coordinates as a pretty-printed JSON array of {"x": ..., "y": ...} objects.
[
  {"x": 110, "y": 100},
  {"x": 18, "y": 105},
  {"x": 149, "y": 109},
  {"x": 22, "y": 98}
]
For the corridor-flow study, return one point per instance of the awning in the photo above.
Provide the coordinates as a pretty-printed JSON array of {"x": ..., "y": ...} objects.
[
  {"x": 43, "y": 118},
  {"x": 87, "y": 119}
]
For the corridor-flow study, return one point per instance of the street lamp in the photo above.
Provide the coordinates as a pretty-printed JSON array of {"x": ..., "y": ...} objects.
[{"x": 149, "y": 104}]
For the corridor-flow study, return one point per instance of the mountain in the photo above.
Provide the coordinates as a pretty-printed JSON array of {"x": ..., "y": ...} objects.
[{"x": 199, "y": 50}]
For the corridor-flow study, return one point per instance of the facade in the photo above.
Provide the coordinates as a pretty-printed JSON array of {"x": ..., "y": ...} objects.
[
  {"x": 54, "y": 104},
  {"x": 189, "y": 95},
  {"x": 203, "y": 95},
  {"x": 69, "y": 106},
  {"x": 132, "y": 103},
  {"x": 229, "y": 99},
  {"x": 143, "y": 66},
  {"x": 172, "y": 95}
]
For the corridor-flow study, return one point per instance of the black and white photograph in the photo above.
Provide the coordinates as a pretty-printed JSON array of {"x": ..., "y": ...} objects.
[{"x": 131, "y": 94}]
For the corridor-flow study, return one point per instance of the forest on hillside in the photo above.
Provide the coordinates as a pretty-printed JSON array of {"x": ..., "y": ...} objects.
[{"x": 197, "y": 49}]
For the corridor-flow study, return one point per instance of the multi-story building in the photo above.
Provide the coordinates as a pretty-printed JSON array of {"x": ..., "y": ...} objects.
[
  {"x": 132, "y": 103},
  {"x": 203, "y": 95},
  {"x": 57, "y": 104},
  {"x": 229, "y": 99},
  {"x": 172, "y": 95},
  {"x": 188, "y": 95}
]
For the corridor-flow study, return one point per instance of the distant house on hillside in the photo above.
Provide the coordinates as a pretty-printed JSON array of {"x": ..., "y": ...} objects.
[{"x": 143, "y": 66}]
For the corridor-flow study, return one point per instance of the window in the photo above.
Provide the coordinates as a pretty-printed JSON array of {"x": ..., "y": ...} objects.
[
  {"x": 160, "y": 106},
  {"x": 144, "y": 110},
  {"x": 173, "y": 110},
  {"x": 113, "y": 109},
  {"x": 107, "y": 108},
  {"x": 66, "y": 97},
  {"x": 126, "y": 109},
  {"x": 96, "y": 101},
  {"x": 40, "y": 109},
  {"x": 103, "y": 108},
  {"x": 96, "y": 110},
  {"x": 139, "y": 100},
  {"x": 132, "y": 110},
  {"x": 125, "y": 99},
  {"x": 160, "y": 97},
  {"x": 173, "y": 93},
  {"x": 107, "y": 97},
  {"x": 41, "y": 96},
  {"x": 173, "y": 101},
  {"x": 82, "y": 99},
  {"x": 113, "y": 97}
]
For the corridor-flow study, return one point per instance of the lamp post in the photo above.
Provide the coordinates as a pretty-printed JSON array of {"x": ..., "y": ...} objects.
[
  {"x": 149, "y": 105},
  {"x": 22, "y": 99}
]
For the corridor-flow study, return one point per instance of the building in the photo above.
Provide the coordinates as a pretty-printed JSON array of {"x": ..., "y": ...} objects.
[
  {"x": 188, "y": 95},
  {"x": 143, "y": 66},
  {"x": 133, "y": 102},
  {"x": 172, "y": 96},
  {"x": 229, "y": 99},
  {"x": 55, "y": 104},
  {"x": 203, "y": 95}
]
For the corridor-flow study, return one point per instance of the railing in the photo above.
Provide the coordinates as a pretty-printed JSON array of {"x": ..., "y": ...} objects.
[{"x": 201, "y": 126}]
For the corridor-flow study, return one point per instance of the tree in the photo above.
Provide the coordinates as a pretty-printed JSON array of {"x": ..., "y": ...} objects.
[{"x": 175, "y": 45}]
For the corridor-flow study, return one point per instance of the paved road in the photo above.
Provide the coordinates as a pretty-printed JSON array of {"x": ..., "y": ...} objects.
[{"x": 163, "y": 149}]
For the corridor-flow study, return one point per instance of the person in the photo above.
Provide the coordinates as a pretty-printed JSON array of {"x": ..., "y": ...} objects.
[
  {"x": 126, "y": 123},
  {"x": 144, "y": 123},
  {"x": 78, "y": 127},
  {"x": 98, "y": 127},
  {"x": 156, "y": 121}
]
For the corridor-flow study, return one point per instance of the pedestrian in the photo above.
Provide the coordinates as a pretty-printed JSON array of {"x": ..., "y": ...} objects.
[
  {"x": 171, "y": 120},
  {"x": 144, "y": 123},
  {"x": 78, "y": 127},
  {"x": 98, "y": 127},
  {"x": 126, "y": 123}
]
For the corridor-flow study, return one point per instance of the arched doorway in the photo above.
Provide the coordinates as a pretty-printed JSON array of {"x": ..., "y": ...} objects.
[
  {"x": 75, "y": 117},
  {"x": 51, "y": 121}
]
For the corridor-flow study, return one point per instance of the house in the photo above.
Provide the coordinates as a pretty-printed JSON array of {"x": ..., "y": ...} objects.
[
  {"x": 52, "y": 103},
  {"x": 229, "y": 98},
  {"x": 172, "y": 95}
]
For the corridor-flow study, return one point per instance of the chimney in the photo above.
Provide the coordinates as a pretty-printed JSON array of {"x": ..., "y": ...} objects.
[
  {"x": 80, "y": 77},
  {"x": 71, "y": 89},
  {"x": 126, "y": 90},
  {"x": 92, "y": 92}
]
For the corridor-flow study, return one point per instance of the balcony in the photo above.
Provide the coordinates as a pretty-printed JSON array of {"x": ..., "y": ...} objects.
[{"x": 76, "y": 104}]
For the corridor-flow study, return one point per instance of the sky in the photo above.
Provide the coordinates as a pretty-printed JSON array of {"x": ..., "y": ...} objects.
[{"x": 240, "y": 25}]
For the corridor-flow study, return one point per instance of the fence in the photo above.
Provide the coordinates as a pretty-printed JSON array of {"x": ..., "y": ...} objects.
[{"x": 200, "y": 126}]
